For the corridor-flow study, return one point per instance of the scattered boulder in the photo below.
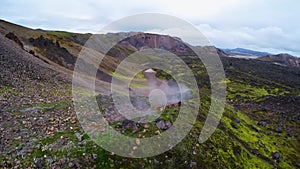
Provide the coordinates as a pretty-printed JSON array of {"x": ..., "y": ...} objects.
[
  {"x": 146, "y": 126},
  {"x": 31, "y": 52},
  {"x": 163, "y": 125},
  {"x": 289, "y": 134},
  {"x": 236, "y": 108},
  {"x": 278, "y": 130},
  {"x": 262, "y": 123},
  {"x": 168, "y": 124},
  {"x": 135, "y": 129},
  {"x": 71, "y": 164},
  {"x": 277, "y": 156},
  {"x": 234, "y": 125},
  {"x": 193, "y": 164},
  {"x": 236, "y": 120},
  {"x": 95, "y": 156},
  {"x": 38, "y": 163},
  {"x": 237, "y": 150},
  {"x": 130, "y": 124},
  {"x": 255, "y": 152},
  {"x": 78, "y": 136}
]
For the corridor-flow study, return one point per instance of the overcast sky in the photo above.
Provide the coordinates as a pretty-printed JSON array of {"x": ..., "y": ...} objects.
[{"x": 265, "y": 25}]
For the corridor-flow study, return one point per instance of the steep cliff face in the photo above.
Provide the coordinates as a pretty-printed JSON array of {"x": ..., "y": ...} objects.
[
  {"x": 53, "y": 51},
  {"x": 13, "y": 37}
]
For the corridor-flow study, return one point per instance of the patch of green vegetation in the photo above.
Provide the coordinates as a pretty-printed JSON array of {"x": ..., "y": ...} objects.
[
  {"x": 170, "y": 114},
  {"x": 4, "y": 89},
  {"x": 259, "y": 139},
  {"x": 15, "y": 143},
  {"x": 71, "y": 149},
  {"x": 244, "y": 131},
  {"x": 17, "y": 113},
  {"x": 84, "y": 92},
  {"x": 60, "y": 105},
  {"x": 138, "y": 78},
  {"x": 138, "y": 86},
  {"x": 41, "y": 146},
  {"x": 222, "y": 150},
  {"x": 245, "y": 92},
  {"x": 8, "y": 90},
  {"x": 61, "y": 34},
  {"x": 277, "y": 92}
]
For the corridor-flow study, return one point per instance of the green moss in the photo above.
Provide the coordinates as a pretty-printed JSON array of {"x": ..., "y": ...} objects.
[
  {"x": 245, "y": 92},
  {"x": 263, "y": 142},
  {"x": 138, "y": 78},
  {"x": 170, "y": 114},
  {"x": 9, "y": 90},
  {"x": 61, "y": 34},
  {"x": 72, "y": 150},
  {"x": 59, "y": 105},
  {"x": 138, "y": 86}
]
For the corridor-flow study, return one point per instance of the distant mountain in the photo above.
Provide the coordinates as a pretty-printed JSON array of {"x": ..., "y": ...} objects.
[
  {"x": 244, "y": 52},
  {"x": 282, "y": 59}
]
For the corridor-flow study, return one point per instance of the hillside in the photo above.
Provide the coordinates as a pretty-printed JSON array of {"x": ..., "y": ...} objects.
[
  {"x": 260, "y": 127},
  {"x": 245, "y": 52},
  {"x": 282, "y": 59}
]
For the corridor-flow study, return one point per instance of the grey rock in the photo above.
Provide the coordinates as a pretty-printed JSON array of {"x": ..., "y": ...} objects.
[
  {"x": 95, "y": 156},
  {"x": 236, "y": 120},
  {"x": 277, "y": 156},
  {"x": 135, "y": 129},
  {"x": 82, "y": 143},
  {"x": 168, "y": 124},
  {"x": 193, "y": 164},
  {"x": 234, "y": 125},
  {"x": 71, "y": 164},
  {"x": 262, "y": 123},
  {"x": 38, "y": 163},
  {"x": 278, "y": 130},
  {"x": 78, "y": 136},
  {"x": 161, "y": 125}
]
